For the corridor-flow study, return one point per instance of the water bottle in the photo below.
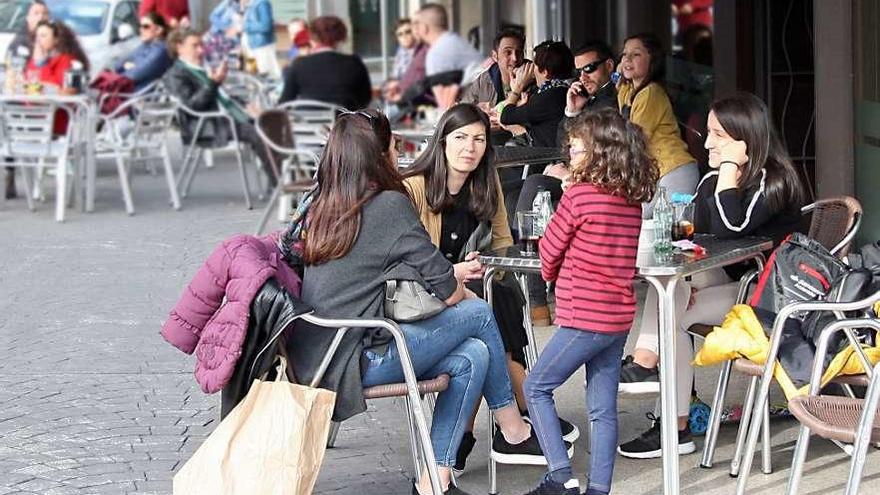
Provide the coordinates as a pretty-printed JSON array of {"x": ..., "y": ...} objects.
[
  {"x": 542, "y": 205},
  {"x": 662, "y": 222}
]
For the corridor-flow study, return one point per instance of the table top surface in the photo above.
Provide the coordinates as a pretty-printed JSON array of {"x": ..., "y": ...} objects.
[
  {"x": 80, "y": 98},
  {"x": 719, "y": 252},
  {"x": 511, "y": 156}
]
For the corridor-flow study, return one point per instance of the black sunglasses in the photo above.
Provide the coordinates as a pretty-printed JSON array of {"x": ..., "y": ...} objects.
[
  {"x": 591, "y": 67},
  {"x": 146, "y": 26}
]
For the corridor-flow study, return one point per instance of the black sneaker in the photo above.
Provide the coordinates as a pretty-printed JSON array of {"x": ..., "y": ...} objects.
[
  {"x": 464, "y": 450},
  {"x": 636, "y": 379},
  {"x": 550, "y": 487},
  {"x": 452, "y": 490},
  {"x": 525, "y": 452},
  {"x": 648, "y": 446},
  {"x": 570, "y": 432}
]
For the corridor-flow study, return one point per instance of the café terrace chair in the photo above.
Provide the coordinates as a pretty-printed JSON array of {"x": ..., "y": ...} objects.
[
  {"x": 820, "y": 409},
  {"x": 140, "y": 139},
  {"x": 842, "y": 419},
  {"x": 834, "y": 223},
  {"x": 27, "y": 142},
  {"x": 312, "y": 121},
  {"x": 298, "y": 167},
  {"x": 412, "y": 389},
  {"x": 194, "y": 149}
]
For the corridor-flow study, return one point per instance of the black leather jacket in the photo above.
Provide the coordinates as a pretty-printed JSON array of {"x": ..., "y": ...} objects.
[{"x": 201, "y": 97}]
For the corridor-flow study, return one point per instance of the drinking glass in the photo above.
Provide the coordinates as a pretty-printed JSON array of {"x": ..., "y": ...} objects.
[
  {"x": 529, "y": 232},
  {"x": 683, "y": 221}
]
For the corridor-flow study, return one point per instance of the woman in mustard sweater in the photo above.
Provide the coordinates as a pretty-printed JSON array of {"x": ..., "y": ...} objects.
[{"x": 643, "y": 101}]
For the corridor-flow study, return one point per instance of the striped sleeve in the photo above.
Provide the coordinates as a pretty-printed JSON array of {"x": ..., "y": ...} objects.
[{"x": 557, "y": 237}]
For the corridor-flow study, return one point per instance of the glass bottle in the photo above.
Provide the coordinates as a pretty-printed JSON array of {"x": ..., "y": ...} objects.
[{"x": 662, "y": 222}]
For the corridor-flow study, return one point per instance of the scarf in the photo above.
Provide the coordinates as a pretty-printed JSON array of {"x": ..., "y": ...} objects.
[
  {"x": 553, "y": 83},
  {"x": 290, "y": 242}
]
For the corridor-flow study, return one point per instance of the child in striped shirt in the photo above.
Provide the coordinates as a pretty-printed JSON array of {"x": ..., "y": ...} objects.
[{"x": 589, "y": 249}]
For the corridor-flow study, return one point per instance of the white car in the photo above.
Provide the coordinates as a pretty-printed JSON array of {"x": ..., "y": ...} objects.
[{"x": 106, "y": 28}]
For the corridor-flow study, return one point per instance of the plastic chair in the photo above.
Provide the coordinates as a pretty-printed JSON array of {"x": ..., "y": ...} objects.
[
  {"x": 193, "y": 151},
  {"x": 775, "y": 341},
  {"x": 151, "y": 117},
  {"x": 27, "y": 141},
  {"x": 298, "y": 167},
  {"x": 842, "y": 419},
  {"x": 834, "y": 223}
]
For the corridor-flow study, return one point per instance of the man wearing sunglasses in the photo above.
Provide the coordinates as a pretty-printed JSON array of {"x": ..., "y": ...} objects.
[{"x": 592, "y": 91}]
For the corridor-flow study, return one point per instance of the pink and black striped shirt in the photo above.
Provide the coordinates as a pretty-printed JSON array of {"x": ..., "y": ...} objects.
[{"x": 590, "y": 249}]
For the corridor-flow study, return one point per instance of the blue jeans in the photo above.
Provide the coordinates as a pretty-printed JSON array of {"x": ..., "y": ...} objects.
[
  {"x": 463, "y": 342},
  {"x": 567, "y": 350}
]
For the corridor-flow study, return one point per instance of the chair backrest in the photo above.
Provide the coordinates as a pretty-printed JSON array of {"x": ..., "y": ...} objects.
[
  {"x": 154, "y": 116},
  {"x": 835, "y": 222},
  {"x": 275, "y": 128},
  {"x": 312, "y": 112},
  {"x": 28, "y": 124}
]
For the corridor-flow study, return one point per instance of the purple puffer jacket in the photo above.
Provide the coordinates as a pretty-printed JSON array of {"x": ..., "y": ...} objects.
[{"x": 202, "y": 322}]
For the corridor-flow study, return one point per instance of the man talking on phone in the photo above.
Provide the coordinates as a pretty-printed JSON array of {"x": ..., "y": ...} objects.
[{"x": 594, "y": 90}]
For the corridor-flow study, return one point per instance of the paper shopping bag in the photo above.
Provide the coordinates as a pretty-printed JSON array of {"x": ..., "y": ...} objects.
[{"x": 272, "y": 443}]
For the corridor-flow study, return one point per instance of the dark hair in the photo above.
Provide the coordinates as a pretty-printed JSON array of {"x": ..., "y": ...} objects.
[
  {"x": 67, "y": 41},
  {"x": 438, "y": 15},
  {"x": 509, "y": 33},
  {"x": 600, "y": 47},
  {"x": 177, "y": 37},
  {"x": 657, "y": 67},
  {"x": 403, "y": 21},
  {"x": 352, "y": 171},
  {"x": 618, "y": 160},
  {"x": 328, "y": 30},
  {"x": 380, "y": 125},
  {"x": 745, "y": 118},
  {"x": 554, "y": 57},
  {"x": 158, "y": 21},
  {"x": 481, "y": 184}
]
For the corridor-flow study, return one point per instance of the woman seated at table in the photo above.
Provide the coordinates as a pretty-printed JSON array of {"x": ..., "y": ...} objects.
[
  {"x": 540, "y": 111},
  {"x": 56, "y": 50},
  {"x": 753, "y": 189},
  {"x": 150, "y": 59},
  {"x": 360, "y": 224},
  {"x": 458, "y": 197},
  {"x": 643, "y": 101}
]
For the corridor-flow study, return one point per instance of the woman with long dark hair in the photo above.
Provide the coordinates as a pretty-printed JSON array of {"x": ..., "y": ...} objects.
[
  {"x": 458, "y": 196},
  {"x": 752, "y": 190},
  {"x": 359, "y": 226},
  {"x": 643, "y": 101}
]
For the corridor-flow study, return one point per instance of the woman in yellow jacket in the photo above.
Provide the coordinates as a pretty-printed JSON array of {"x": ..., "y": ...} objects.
[
  {"x": 643, "y": 101},
  {"x": 457, "y": 194}
]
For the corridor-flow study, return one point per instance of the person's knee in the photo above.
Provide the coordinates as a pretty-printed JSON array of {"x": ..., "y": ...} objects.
[
  {"x": 474, "y": 358},
  {"x": 534, "y": 389}
]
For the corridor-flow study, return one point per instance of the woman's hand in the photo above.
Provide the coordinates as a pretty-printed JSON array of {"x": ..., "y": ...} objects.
[
  {"x": 522, "y": 77},
  {"x": 736, "y": 152},
  {"x": 469, "y": 269}
]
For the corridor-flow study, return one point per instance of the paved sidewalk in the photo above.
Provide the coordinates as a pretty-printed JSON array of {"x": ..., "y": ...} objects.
[{"x": 92, "y": 400}]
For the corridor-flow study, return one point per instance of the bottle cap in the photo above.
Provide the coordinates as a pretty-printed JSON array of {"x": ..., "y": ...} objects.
[
  {"x": 76, "y": 65},
  {"x": 681, "y": 197}
]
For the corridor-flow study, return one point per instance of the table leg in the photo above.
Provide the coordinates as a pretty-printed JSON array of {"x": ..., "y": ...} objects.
[
  {"x": 532, "y": 347},
  {"x": 493, "y": 480},
  {"x": 91, "y": 121},
  {"x": 665, "y": 286}
]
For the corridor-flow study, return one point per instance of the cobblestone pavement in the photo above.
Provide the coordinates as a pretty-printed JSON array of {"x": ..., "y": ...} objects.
[{"x": 92, "y": 400}]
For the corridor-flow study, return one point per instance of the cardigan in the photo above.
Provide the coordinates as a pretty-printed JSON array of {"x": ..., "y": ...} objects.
[
  {"x": 651, "y": 109},
  {"x": 590, "y": 249},
  {"x": 433, "y": 222}
]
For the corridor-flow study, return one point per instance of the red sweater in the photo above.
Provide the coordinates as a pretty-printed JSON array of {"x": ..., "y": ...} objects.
[
  {"x": 590, "y": 249},
  {"x": 52, "y": 72},
  {"x": 168, "y": 9}
]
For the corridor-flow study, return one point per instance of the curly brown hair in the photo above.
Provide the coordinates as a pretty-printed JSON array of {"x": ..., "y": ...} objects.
[
  {"x": 66, "y": 41},
  {"x": 618, "y": 160}
]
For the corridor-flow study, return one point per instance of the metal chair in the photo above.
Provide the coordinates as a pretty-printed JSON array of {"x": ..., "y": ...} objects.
[
  {"x": 243, "y": 86},
  {"x": 834, "y": 223},
  {"x": 298, "y": 166},
  {"x": 193, "y": 151},
  {"x": 145, "y": 141},
  {"x": 763, "y": 390},
  {"x": 28, "y": 142},
  {"x": 311, "y": 121},
  {"x": 841, "y": 419}
]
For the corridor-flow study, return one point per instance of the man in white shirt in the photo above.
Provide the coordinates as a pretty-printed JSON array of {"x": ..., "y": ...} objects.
[{"x": 450, "y": 59}]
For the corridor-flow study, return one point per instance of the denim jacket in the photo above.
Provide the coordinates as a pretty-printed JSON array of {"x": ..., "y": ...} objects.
[{"x": 258, "y": 24}]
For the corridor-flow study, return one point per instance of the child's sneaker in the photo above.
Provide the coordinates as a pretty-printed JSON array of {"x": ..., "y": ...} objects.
[
  {"x": 648, "y": 446},
  {"x": 636, "y": 379},
  {"x": 550, "y": 487}
]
